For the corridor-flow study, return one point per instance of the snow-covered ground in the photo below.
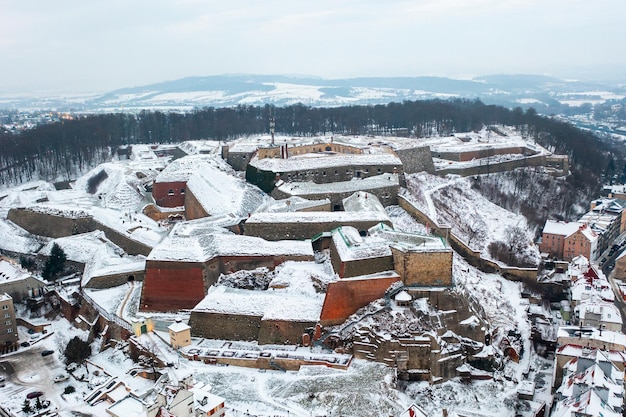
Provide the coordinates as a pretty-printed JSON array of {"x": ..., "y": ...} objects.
[{"x": 366, "y": 388}]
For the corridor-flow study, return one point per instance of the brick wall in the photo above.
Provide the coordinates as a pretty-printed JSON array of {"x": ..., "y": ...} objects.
[
  {"x": 387, "y": 195},
  {"x": 356, "y": 267},
  {"x": 169, "y": 194},
  {"x": 224, "y": 326},
  {"x": 280, "y": 332},
  {"x": 301, "y": 231},
  {"x": 239, "y": 160},
  {"x": 486, "y": 168},
  {"x": 346, "y": 296},
  {"x": 50, "y": 225},
  {"x": 423, "y": 268},
  {"x": 115, "y": 280},
  {"x": 416, "y": 159},
  {"x": 44, "y": 224},
  {"x": 172, "y": 286},
  {"x": 482, "y": 153},
  {"x": 193, "y": 208}
]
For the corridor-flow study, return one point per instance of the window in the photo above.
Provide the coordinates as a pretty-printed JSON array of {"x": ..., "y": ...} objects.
[
  {"x": 182, "y": 191},
  {"x": 9, "y": 330},
  {"x": 7, "y": 315},
  {"x": 5, "y": 307},
  {"x": 8, "y": 322},
  {"x": 170, "y": 192}
]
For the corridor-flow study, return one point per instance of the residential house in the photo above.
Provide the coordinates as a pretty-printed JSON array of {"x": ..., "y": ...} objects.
[
  {"x": 8, "y": 326},
  {"x": 605, "y": 218},
  {"x": 594, "y": 312},
  {"x": 180, "y": 334},
  {"x": 17, "y": 282},
  {"x": 591, "y": 385},
  {"x": 566, "y": 240}
]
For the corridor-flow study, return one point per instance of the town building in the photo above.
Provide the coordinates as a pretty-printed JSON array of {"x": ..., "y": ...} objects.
[
  {"x": 18, "y": 283},
  {"x": 566, "y": 240},
  {"x": 605, "y": 219},
  {"x": 8, "y": 325},
  {"x": 180, "y": 334},
  {"x": 591, "y": 385}
]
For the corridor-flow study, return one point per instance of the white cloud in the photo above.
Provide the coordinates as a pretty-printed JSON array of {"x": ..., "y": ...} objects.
[{"x": 71, "y": 45}]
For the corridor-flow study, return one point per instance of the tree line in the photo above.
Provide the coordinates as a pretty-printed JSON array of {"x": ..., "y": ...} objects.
[{"x": 65, "y": 148}]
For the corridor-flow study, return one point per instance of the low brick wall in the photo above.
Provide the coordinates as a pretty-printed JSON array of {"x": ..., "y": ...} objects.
[{"x": 346, "y": 296}]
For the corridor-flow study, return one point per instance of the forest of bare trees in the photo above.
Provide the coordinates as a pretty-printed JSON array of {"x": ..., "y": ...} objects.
[{"x": 61, "y": 150}]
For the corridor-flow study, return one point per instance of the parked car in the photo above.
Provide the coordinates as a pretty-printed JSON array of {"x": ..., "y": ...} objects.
[
  {"x": 34, "y": 394},
  {"x": 47, "y": 352},
  {"x": 24, "y": 344},
  {"x": 61, "y": 378}
]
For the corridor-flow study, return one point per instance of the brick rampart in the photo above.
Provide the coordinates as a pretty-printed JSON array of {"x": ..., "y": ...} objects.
[
  {"x": 426, "y": 268},
  {"x": 193, "y": 208},
  {"x": 346, "y": 296},
  {"x": 302, "y": 231},
  {"x": 45, "y": 224},
  {"x": 387, "y": 196},
  {"x": 224, "y": 326},
  {"x": 115, "y": 280},
  {"x": 416, "y": 159},
  {"x": 169, "y": 194},
  {"x": 491, "y": 167},
  {"x": 172, "y": 286},
  {"x": 273, "y": 332}
]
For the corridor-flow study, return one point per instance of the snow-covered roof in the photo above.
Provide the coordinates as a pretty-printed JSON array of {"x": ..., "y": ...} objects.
[
  {"x": 403, "y": 296},
  {"x": 564, "y": 229},
  {"x": 128, "y": 407},
  {"x": 589, "y": 402},
  {"x": 199, "y": 241},
  {"x": 291, "y": 204},
  {"x": 269, "y": 304},
  {"x": 409, "y": 241},
  {"x": 220, "y": 193},
  {"x": 593, "y": 376},
  {"x": 182, "y": 169},
  {"x": 608, "y": 312},
  {"x": 319, "y": 217},
  {"x": 178, "y": 326},
  {"x": 84, "y": 247},
  {"x": 11, "y": 271},
  {"x": 304, "y": 188},
  {"x": 606, "y": 336},
  {"x": 575, "y": 350},
  {"x": 351, "y": 245},
  {"x": 135, "y": 226},
  {"x": 325, "y": 161},
  {"x": 200, "y": 146},
  {"x": 583, "y": 289},
  {"x": 205, "y": 401},
  {"x": 364, "y": 201}
]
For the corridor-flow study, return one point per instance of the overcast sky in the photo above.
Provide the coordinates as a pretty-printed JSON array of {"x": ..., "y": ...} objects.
[{"x": 93, "y": 46}]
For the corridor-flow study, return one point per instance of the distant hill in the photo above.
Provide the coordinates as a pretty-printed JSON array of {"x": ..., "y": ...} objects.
[{"x": 521, "y": 90}]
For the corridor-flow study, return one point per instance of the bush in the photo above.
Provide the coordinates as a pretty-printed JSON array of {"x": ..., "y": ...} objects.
[
  {"x": 69, "y": 390},
  {"x": 77, "y": 350},
  {"x": 55, "y": 263}
]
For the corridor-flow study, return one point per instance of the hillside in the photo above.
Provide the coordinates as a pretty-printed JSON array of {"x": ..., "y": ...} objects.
[
  {"x": 546, "y": 93},
  {"x": 472, "y": 217}
]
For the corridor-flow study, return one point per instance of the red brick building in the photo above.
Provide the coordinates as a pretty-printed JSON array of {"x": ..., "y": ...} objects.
[
  {"x": 170, "y": 186},
  {"x": 180, "y": 270},
  {"x": 566, "y": 240}
]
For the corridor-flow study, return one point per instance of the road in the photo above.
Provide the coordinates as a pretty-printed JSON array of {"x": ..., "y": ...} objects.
[{"x": 28, "y": 371}]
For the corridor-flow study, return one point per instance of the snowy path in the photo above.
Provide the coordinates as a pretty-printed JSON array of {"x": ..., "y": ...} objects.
[
  {"x": 120, "y": 309},
  {"x": 267, "y": 397},
  {"x": 432, "y": 211}
]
